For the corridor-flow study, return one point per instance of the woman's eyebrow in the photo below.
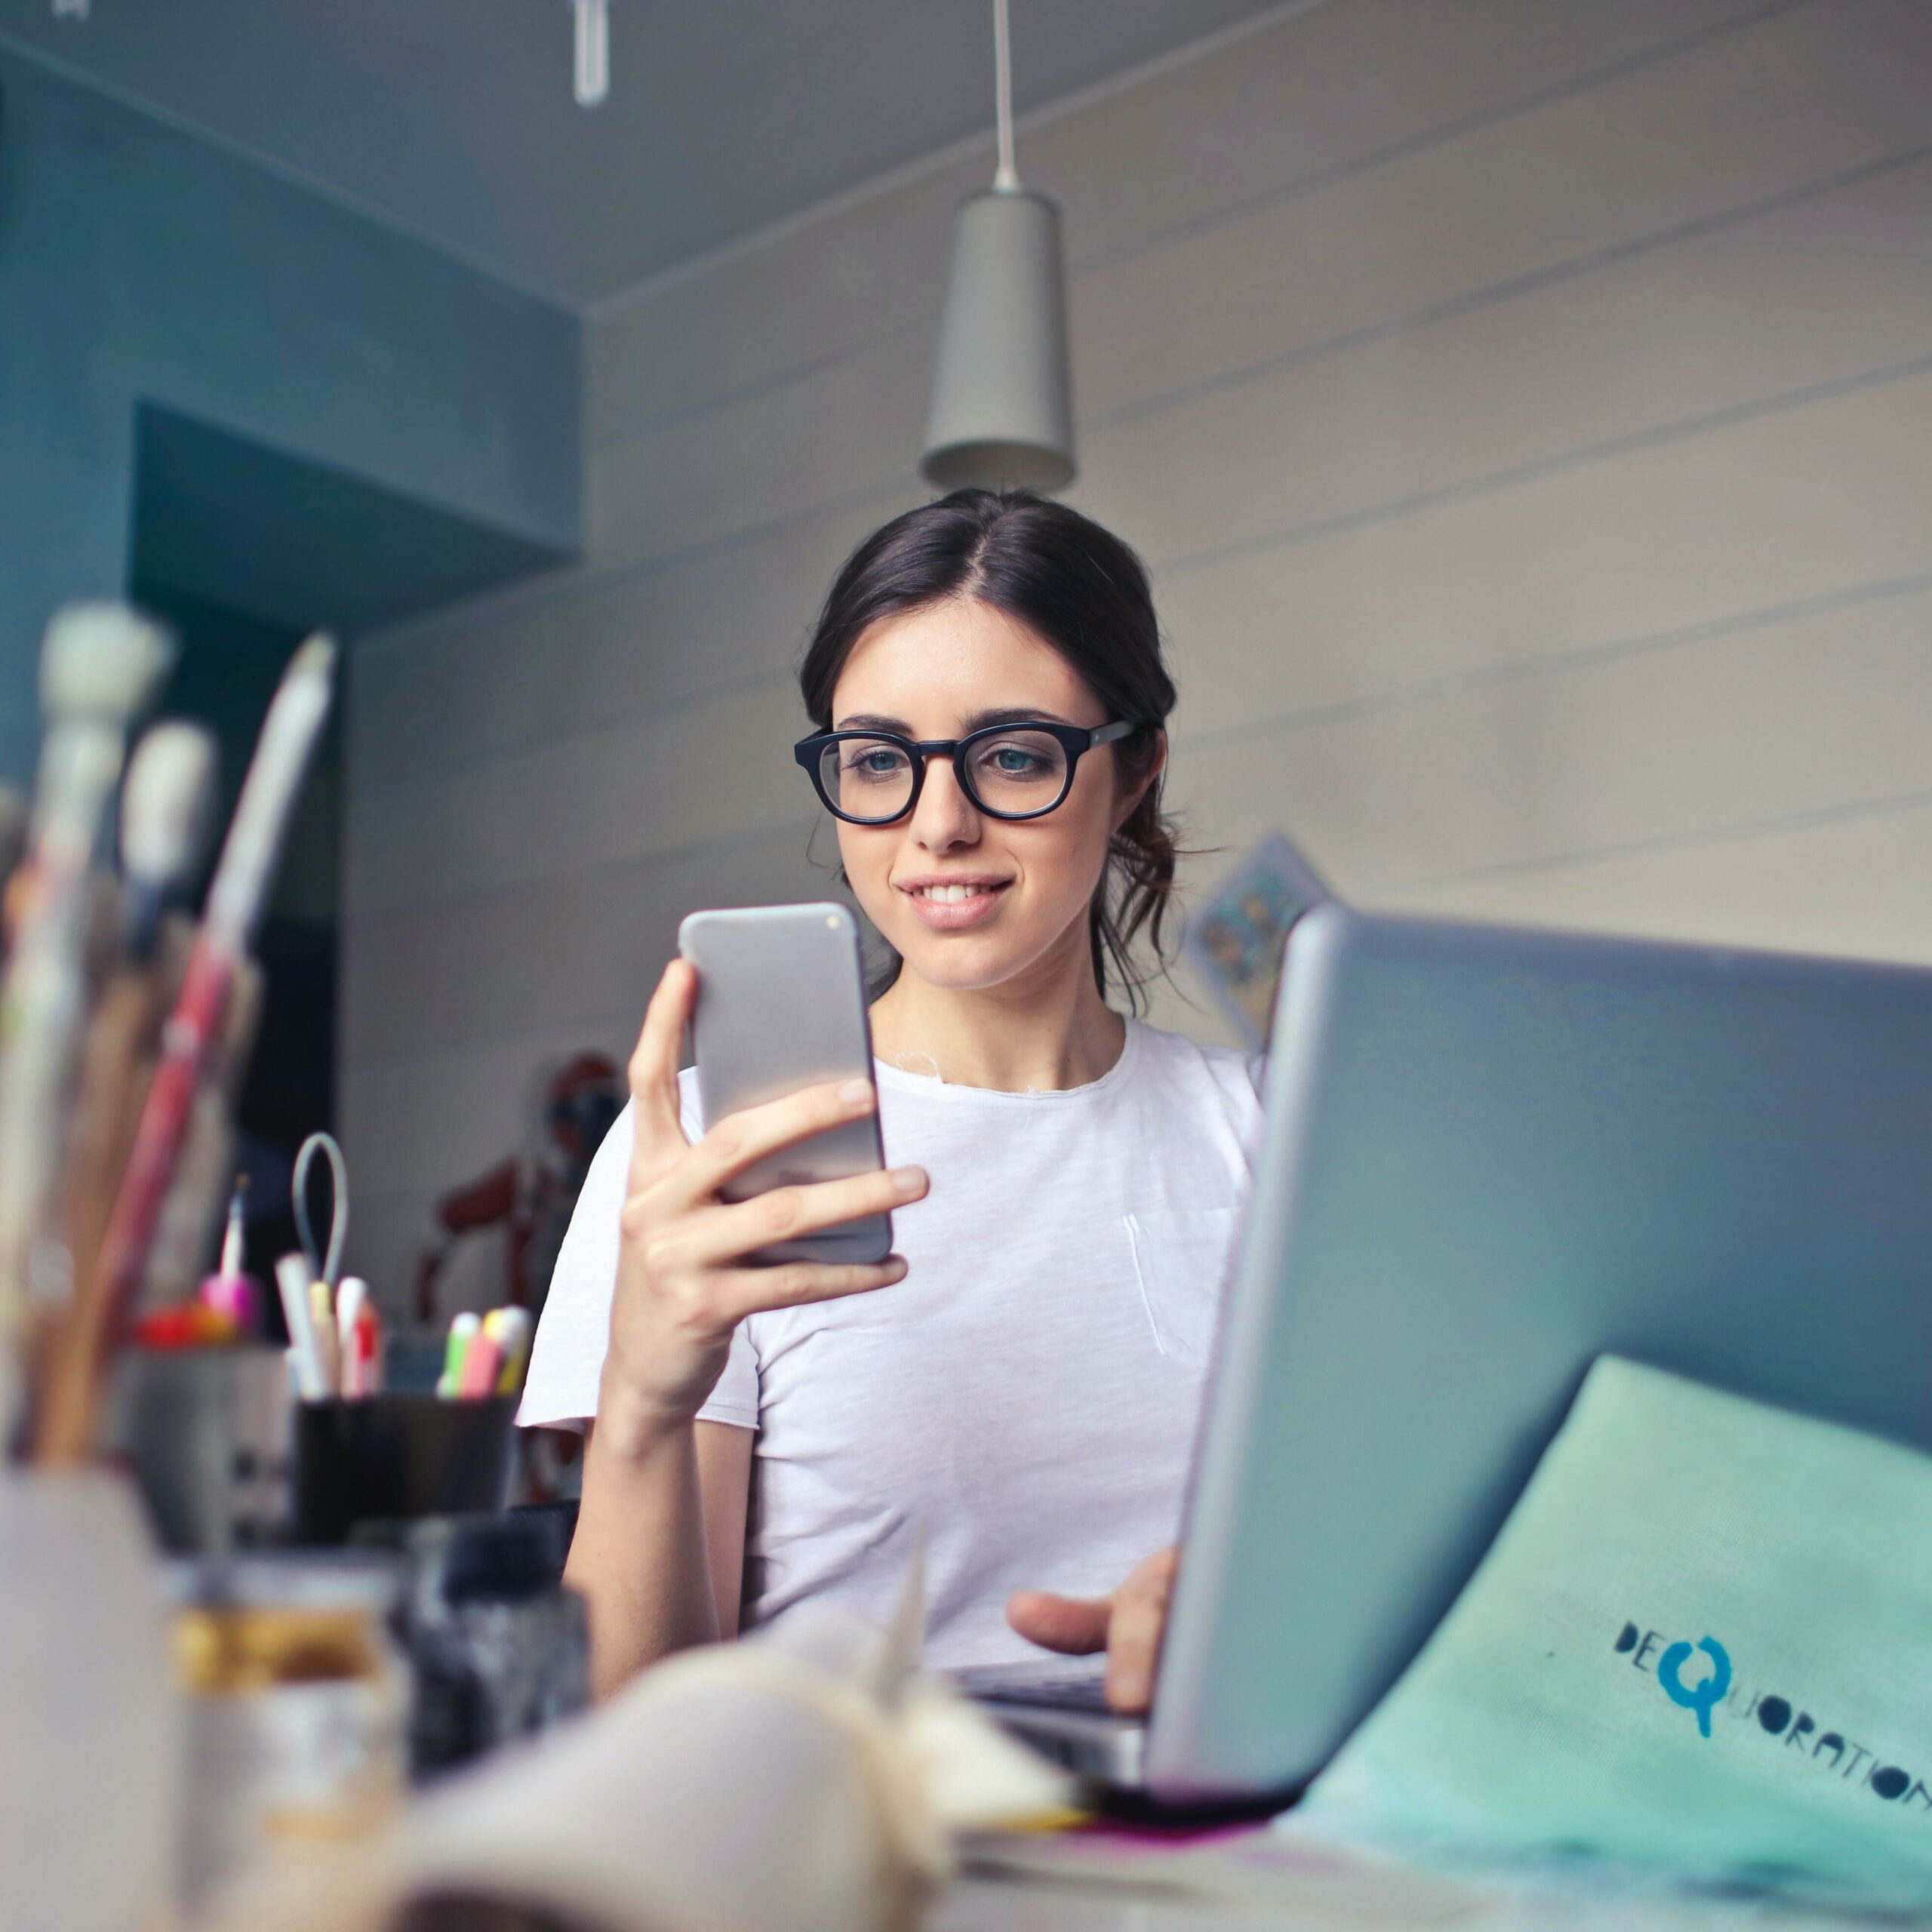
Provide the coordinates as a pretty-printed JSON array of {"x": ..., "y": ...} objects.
[{"x": 981, "y": 720}]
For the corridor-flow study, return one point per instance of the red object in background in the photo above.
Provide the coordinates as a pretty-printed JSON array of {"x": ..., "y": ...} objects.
[
  {"x": 188, "y": 1325},
  {"x": 530, "y": 1199}
]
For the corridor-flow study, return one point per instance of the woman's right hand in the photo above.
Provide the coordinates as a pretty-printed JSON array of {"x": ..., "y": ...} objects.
[{"x": 684, "y": 1283}]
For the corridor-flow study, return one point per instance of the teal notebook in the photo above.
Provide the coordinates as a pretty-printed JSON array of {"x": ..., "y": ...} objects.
[{"x": 1700, "y": 1650}]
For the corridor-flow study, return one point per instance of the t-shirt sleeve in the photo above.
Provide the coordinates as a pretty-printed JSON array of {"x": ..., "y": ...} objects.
[{"x": 567, "y": 1358}]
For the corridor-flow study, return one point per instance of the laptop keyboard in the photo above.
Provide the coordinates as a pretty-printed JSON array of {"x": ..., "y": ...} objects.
[{"x": 1053, "y": 1687}]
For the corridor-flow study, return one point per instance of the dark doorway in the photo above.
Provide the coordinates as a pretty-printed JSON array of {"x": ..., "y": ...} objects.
[{"x": 244, "y": 549}]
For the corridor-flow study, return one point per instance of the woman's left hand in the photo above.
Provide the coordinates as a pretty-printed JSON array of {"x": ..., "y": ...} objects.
[{"x": 1127, "y": 1623}]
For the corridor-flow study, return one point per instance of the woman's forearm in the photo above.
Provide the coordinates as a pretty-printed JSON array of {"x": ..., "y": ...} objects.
[{"x": 639, "y": 1558}]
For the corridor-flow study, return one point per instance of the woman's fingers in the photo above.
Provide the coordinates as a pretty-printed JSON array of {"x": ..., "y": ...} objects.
[
  {"x": 1075, "y": 1625},
  {"x": 1127, "y": 1624},
  {"x": 741, "y": 1139},
  {"x": 659, "y": 1137},
  {"x": 723, "y": 1235},
  {"x": 1134, "y": 1631},
  {"x": 739, "y": 1292},
  {"x": 1133, "y": 1647}
]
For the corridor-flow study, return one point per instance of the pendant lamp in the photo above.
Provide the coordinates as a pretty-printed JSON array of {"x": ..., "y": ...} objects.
[{"x": 1001, "y": 414}]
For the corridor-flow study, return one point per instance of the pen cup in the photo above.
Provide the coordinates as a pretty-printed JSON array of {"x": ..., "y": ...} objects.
[
  {"x": 208, "y": 1435},
  {"x": 398, "y": 1456}
]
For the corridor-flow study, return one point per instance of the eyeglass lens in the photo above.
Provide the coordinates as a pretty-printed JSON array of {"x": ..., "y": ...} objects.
[{"x": 1015, "y": 772}]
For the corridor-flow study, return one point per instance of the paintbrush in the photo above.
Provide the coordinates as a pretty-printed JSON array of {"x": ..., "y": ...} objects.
[
  {"x": 164, "y": 807},
  {"x": 13, "y": 843},
  {"x": 99, "y": 665},
  {"x": 64, "y": 1430}
]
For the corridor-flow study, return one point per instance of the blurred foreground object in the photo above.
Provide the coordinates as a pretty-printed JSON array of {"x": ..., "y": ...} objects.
[
  {"x": 183, "y": 1112},
  {"x": 1001, "y": 414},
  {"x": 89, "y": 1770},
  {"x": 501, "y": 1649},
  {"x": 799, "y": 1780},
  {"x": 99, "y": 666},
  {"x": 1235, "y": 942},
  {"x": 164, "y": 811},
  {"x": 13, "y": 843},
  {"x": 295, "y": 1708}
]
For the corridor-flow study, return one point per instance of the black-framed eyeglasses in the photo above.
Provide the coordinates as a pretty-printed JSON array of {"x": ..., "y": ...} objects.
[{"x": 1022, "y": 770}]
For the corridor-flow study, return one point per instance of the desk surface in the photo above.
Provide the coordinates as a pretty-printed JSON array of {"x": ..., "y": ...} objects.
[{"x": 996, "y": 1904}]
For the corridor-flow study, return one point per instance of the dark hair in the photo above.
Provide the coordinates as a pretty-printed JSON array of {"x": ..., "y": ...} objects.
[{"x": 1084, "y": 592}]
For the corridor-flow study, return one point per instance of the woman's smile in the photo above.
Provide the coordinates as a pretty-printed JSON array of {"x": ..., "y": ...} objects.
[{"x": 952, "y": 902}]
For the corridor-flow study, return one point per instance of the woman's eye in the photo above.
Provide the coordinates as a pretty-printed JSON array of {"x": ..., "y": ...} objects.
[
  {"x": 1012, "y": 761},
  {"x": 876, "y": 762}
]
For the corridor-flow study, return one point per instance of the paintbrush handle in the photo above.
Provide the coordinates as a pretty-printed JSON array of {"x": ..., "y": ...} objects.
[{"x": 64, "y": 1430}]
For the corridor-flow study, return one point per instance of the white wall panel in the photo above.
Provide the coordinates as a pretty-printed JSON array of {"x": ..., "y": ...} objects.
[
  {"x": 1825, "y": 291},
  {"x": 1817, "y": 501},
  {"x": 576, "y": 948},
  {"x": 715, "y": 768},
  {"x": 599, "y": 649},
  {"x": 1724, "y": 730},
  {"x": 1857, "y": 881},
  {"x": 1835, "y": 88}
]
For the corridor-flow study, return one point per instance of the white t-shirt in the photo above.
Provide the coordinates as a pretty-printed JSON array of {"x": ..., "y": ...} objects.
[{"x": 1028, "y": 1393}]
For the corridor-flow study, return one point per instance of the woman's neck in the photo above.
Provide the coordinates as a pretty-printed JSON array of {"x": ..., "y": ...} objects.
[{"x": 1045, "y": 1032}]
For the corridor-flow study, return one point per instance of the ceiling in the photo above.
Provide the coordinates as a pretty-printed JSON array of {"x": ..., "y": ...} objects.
[{"x": 453, "y": 120}]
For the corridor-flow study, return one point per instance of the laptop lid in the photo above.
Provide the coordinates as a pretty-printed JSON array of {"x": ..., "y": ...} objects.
[{"x": 1491, "y": 1154}]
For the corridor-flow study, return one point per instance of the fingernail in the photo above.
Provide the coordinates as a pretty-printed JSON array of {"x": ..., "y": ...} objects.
[
  {"x": 854, "y": 1091},
  {"x": 909, "y": 1180}
]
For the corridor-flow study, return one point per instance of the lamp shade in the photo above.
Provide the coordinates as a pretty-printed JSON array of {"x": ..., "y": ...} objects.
[{"x": 1002, "y": 398}]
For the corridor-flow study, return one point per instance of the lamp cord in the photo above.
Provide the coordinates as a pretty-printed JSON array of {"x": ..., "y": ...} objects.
[{"x": 1004, "y": 175}]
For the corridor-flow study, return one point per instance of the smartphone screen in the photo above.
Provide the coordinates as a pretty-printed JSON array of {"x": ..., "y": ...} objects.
[{"x": 781, "y": 1004}]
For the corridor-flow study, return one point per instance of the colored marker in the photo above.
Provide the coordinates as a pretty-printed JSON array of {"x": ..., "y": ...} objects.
[{"x": 462, "y": 1331}]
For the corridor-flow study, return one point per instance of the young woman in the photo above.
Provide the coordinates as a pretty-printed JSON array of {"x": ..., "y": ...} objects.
[{"x": 1021, "y": 1382}]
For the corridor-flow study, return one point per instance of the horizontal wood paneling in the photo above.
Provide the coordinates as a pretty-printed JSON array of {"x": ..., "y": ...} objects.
[
  {"x": 1856, "y": 881},
  {"x": 1735, "y": 123},
  {"x": 1816, "y": 501},
  {"x": 1743, "y": 723},
  {"x": 576, "y": 947},
  {"x": 1825, "y": 291},
  {"x": 600, "y": 649}
]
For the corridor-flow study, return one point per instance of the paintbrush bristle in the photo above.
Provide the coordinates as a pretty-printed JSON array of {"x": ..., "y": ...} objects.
[
  {"x": 102, "y": 660},
  {"x": 164, "y": 802},
  {"x": 315, "y": 656}
]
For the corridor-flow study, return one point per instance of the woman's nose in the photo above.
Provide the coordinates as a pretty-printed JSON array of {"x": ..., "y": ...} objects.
[{"x": 944, "y": 816}]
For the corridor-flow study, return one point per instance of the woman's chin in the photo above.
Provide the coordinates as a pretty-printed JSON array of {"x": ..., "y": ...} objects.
[{"x": 961, "y": 962}]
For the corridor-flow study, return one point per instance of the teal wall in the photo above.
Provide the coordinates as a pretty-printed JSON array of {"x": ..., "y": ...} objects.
[{"x": 137, "y": 264}]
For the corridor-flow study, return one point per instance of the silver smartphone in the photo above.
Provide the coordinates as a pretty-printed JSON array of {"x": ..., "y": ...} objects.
[{"x": 781, "y": 1004}]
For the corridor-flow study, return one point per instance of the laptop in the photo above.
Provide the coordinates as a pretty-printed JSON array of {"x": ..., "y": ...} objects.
[{"x": 1492, "y": 1153}]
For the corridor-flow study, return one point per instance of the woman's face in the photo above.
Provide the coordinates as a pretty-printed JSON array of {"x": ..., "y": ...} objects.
[{"x": 940, "y": 672}]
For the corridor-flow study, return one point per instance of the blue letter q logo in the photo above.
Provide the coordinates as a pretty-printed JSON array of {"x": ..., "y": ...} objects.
[{"x": 1703, "y": 1697}]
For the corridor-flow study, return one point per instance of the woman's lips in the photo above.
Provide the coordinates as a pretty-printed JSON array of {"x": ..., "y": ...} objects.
[{"x": 955, "y": 914}]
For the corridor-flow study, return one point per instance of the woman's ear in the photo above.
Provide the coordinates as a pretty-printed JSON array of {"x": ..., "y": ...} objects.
[{"x": 1137, "y": 789}]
